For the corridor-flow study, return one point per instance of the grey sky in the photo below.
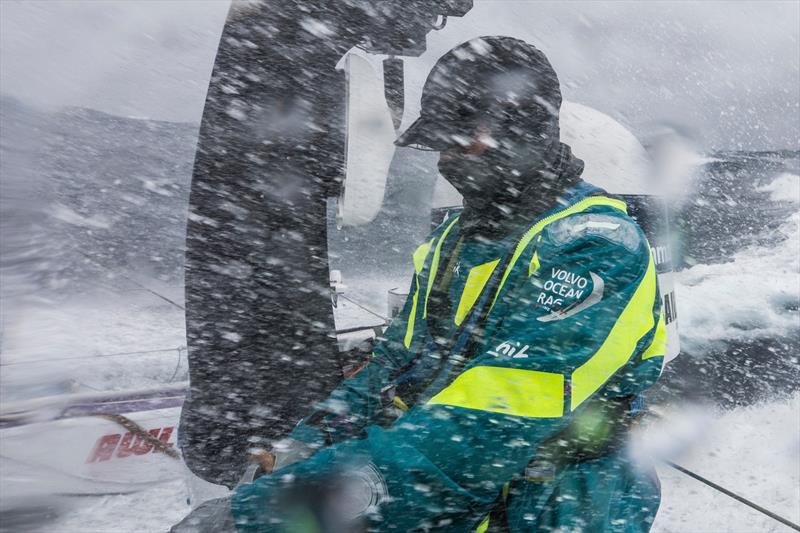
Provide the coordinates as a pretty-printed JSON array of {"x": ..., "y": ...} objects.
[{"x": 727, "y": 71}]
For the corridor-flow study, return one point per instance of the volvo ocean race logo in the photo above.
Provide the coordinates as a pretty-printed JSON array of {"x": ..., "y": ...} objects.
[{"x": 566, "y": 293}]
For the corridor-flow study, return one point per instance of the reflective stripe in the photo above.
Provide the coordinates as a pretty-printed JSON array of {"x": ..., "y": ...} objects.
[
  {"x": 634, "y": 323},
  {"x": 412, "y": 315},
  {"x": 483, "y": 526},
  {"x": 534, "y": 266},
  {"x": 539, "y": 226},
  {"x": 511, "y": 391},
  {"x": 476, "y": 280},
  {"x": 435, "y": 265},
  {"x": 420, "y": 255},
  {"x": 657, "y": 348}
]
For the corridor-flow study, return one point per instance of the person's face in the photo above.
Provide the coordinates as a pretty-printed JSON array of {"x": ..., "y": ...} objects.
[
  {"x": 485, "y": 169},
  {"x": 466, "y": 166}
]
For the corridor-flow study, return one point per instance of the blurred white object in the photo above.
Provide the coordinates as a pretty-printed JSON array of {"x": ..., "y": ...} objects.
[
  {"x": 396, "y": 300},
  {"x": 370, "y": 144},
  {"x": 337, "y": 286},
  {"x": 615, "y": 159},
  {"x": 676, "y": 160}
]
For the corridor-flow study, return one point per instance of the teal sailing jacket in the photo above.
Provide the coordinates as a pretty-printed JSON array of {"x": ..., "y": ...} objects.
[{"x": 565, "y": 311}]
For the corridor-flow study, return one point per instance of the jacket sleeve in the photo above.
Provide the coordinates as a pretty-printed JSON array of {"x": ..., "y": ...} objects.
[
  {"x": 359, "y": 400},
  {"x": 581, "y": 323}
]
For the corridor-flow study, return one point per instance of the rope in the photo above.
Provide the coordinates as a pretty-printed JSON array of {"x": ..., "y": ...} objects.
[
  {"x": 733, "y": 495},
  {"x": 177, "y": 365},
  {"x": 370, "y": 311},
  {"x": 360, "y": 328},
  {"x": 140, "y": 285},
  {"x": 723, "y": 490},
  {"x": 55, "y": 359},
  {"x": 139, "y": 431}
]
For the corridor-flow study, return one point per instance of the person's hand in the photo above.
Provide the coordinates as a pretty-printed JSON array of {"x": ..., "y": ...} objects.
[
  {"x": 284, "y": 453},
  {"x": 264, "y": 459}
]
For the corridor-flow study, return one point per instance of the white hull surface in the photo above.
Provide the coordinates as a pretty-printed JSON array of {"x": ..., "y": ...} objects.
[{"x": 85, "y": 443}]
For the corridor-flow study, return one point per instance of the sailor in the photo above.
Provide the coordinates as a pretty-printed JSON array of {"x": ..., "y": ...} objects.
[{"x": 502, "y": 395}]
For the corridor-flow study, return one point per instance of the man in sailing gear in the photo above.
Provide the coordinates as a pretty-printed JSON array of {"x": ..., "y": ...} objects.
[{"x": 500, "y": 396}]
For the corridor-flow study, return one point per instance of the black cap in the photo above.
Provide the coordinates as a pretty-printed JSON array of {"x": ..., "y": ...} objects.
[{"x": 487, "y": 79}]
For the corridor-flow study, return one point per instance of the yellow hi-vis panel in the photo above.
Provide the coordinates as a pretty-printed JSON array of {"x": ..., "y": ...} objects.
[
  {"x": 657, "y": 348},
  {"x": 420, "y": 254},
  {"x": 435, "y": 265},
  {"x": 510, "y": 391},
  {"x": 476, "y": 280},
  {"x": 634, "y": 323},
  {"x": 586, "y": 203},
  {"x": 419, "y": 262}
]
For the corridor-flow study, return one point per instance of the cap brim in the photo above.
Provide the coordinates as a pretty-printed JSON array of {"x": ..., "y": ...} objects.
[{"x": 422, "y": 135}]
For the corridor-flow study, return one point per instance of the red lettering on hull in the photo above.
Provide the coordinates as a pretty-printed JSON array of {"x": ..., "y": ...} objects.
[
  {"x": 104, "y": 448},
  {"x": 127, "y": 444}
]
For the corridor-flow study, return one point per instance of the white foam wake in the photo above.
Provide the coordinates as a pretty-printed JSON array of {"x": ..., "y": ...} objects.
[
  {"x": 784, "y": 188},
  {"x": 756, "y": 295},
  {"x": 753, "y": 451}
]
